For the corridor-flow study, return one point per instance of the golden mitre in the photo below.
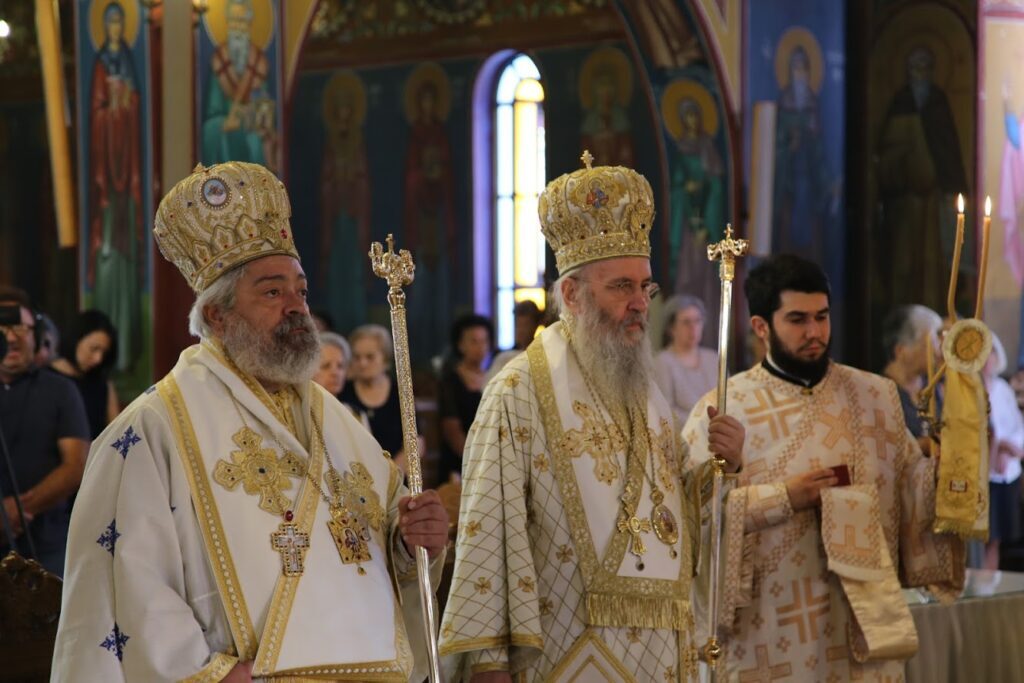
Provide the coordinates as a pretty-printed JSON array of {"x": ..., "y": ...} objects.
[
  {"x": 596, "y": 213},
  {"x": 221, "y": 217}
]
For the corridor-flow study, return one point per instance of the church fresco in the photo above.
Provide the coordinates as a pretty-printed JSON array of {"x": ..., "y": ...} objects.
[
  {"x": 238, "y": 76},
  {"x": 428, "y": 196},
  {"x": 345, "y": 203},
  {"x": 410, "y": 172},
  {"x": 606, "y": 90},
  {"x": 114, "y": 169},
  {"x": 1001, "y": 112},
  {"x": 697, "y": 194},
  {"x": 921, "y": 118},
  {"x": 796, "y": 89}
]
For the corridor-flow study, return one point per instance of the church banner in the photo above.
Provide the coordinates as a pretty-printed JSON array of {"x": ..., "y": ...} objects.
[
  {"x": 238, "y": 81},
  {"x": 115, "y": 172}
]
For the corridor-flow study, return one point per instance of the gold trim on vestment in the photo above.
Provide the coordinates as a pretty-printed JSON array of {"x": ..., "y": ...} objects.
[
  {"x": 610, "y": 599},
  {"x": 589, "y": 638},
  {"x": 242, "y": 631},
  {"x": 284, "y": 592},
  {"x": 220, "y": 666},
  {"x": 492, "y": 642}
]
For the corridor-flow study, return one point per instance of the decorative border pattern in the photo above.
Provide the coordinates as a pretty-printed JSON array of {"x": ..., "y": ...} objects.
[
  {"x": 220, "y": 666},
  {"x": 210, "y": 524},
  {"x": 612, "y": 600},
  {"x": 287, "y": 586},
  {"x": 591, "y": 639}
]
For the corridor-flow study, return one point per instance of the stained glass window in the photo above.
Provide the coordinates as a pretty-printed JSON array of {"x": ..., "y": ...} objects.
[{"x": 519, "y": 179}]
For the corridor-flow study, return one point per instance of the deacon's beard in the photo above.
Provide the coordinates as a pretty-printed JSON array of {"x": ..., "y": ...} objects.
[
  {"x": 278, "y": 357},
  {"x": 620, "y": 361},
  {"x": 808, "y": 370}
]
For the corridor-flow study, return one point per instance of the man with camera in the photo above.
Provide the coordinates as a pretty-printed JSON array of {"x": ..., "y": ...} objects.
[{"x": 44, "y": 438}]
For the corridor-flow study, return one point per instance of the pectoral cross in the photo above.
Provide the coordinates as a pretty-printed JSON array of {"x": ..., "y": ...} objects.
[
  {"x": 292, "y": 544},
  {"x": 634, "y": 526}
]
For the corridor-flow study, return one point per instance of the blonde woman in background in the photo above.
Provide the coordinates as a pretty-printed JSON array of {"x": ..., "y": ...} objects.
[{"x": 684, "y": 370}]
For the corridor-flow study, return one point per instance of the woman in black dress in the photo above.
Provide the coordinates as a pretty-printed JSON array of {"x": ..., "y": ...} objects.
[
  {"x": 459, "y": 391},
  {"x": 88, "y": 351},
  {"x": 371, "y": 394}
]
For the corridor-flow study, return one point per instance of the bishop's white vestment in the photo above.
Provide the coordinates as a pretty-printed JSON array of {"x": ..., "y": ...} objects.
[
  {"x": 176, "y": 559},
  {"x": 815, "y": 595},
  {"x": 545, "y": 584}
]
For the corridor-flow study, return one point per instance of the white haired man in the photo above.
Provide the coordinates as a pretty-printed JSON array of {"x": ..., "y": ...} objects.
[
  {"x": 236, "y": 522},
  {"x": 579, "y": 508}
]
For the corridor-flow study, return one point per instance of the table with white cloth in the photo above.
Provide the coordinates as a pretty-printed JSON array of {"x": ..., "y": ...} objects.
[{"x": 977, "y": 639}]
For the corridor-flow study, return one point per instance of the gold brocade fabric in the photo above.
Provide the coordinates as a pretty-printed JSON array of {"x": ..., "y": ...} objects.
[
  {"x": 597, "y": 213},
  {"x": 787, "y": 613},
  {"x": 961, "y": 504},
  {"x": 851, "y": 531},
  {"x": 222, "y": 217},
  {"x": 520, "y": 597}
]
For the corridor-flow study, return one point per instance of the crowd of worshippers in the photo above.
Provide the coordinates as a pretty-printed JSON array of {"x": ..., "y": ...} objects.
[{"x": 58, "y": 396}]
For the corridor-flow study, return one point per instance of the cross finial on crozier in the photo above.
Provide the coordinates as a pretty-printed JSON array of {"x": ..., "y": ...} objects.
[
  {"x": 726, "y": 252},
  {"x": 398, "y": 270},
  {"x": 587, "y": 158}
]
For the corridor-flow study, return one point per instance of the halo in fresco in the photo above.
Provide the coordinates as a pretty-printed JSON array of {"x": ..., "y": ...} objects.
[
  {"x": 98, "y": 32},
  {"x": 215, "y": 19},
  {"x": 796, "y": 37},
  {"x": 343, "y": 84},
  {"x": 428, "y": 72},
  {"x": 934, "y": 30},
  {"x": 612, "y": 61},
  {"x": 685, "y": 88}
]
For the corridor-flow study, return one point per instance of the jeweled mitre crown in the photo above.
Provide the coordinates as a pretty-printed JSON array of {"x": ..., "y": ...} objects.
[
  {"x": 596, "y": 213},
  {"x": 221, "y": 217}
]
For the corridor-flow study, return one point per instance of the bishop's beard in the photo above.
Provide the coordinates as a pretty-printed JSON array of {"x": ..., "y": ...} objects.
[
  {"x": 281, "y": 356},
  {"x": 619, "y": 360}
]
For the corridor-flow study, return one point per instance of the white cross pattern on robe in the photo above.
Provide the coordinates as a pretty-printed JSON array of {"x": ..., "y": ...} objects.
[{"x": 292, "y": 544}]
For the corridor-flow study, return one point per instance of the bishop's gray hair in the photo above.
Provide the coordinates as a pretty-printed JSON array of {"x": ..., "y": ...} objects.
[
  {"x": 556, "y": 302},
  {"x": 220, "y": 294}
]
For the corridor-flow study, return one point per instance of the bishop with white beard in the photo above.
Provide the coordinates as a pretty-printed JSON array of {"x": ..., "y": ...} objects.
[{"x": 579, "y": 516}]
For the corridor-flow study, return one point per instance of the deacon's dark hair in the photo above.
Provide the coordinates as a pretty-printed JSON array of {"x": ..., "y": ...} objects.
[
  {"x": 84, "y": 324},
  {"x": 777, "y": 274},
  {"x": 468, "y": 322}
]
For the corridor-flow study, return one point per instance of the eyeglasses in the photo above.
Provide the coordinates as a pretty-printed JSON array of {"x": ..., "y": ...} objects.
[
  {"x": 624, "y": 290},
  {"x": 16, "y": 330}
]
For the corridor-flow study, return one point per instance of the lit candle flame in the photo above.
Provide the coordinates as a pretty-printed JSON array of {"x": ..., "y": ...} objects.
[
  {"x": 988, "y": 206},
  {"x": 960, "y": 203}
]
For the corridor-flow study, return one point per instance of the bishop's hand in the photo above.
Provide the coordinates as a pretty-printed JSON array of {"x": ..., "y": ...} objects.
[
  {"x": 423, "y": 521},
  {"x": 725, "y": 439}
]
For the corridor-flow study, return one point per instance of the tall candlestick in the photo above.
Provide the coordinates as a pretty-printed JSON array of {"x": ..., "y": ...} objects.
[
  {"x": 929, "y": 360},
  {"x": 979, "y": 307},
  {"x": 951, "y": 300}
]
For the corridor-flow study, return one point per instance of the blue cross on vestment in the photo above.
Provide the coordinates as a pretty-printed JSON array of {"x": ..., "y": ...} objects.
[
  {"x": 127, "y": 440},
  {"x": 108, "y": 539},
  {"x": 114, "y": 642}
]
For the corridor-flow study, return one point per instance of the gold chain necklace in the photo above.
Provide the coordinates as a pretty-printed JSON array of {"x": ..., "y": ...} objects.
[
  {"x": 662, "y": 520},
  {"x": 349, "y": 529}
]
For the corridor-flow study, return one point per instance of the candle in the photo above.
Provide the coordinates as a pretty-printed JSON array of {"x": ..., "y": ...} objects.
[
  {"x": 955, "y": 272},
  {"x": 979, "y": 307},
  {"x": 929, "y": 360}
]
